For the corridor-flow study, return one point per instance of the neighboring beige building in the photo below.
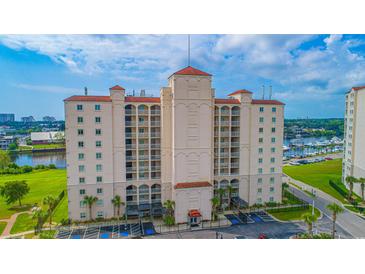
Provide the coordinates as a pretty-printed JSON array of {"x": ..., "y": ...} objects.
[
  {"x": 354, "y": 136},
  {"x": 182, "y": 146}
]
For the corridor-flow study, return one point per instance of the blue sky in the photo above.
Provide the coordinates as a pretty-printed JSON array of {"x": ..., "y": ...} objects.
[{"x": 310, "y": 73}]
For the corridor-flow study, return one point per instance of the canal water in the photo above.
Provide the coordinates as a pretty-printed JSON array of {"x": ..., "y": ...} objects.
[{"x": 57, "y": 158}]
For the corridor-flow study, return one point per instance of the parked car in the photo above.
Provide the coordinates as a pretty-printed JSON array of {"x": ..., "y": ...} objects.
[
  {"x": 262, "y": 236},
  {"x": 328, "y": 158}
]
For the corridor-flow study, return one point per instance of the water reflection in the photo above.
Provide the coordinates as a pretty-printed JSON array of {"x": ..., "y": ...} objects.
[{"x": 40, "y": 158}]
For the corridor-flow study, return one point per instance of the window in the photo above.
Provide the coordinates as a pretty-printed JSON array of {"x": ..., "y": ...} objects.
[
  {"x": 261, "y": 130},
  {"x": 259, "y": 180},
  {"x": 259, "y": 200},
  {"x": 100, "y": 214},
  {"x": 99, "y": 179},
  {"x": 261, "y": 109},
  {"x": 260, "y": 160},
  {"x": 99, "y": 191},
  {"x": 98, "y": 155},
  {"x": 273, "y": 130},
  {"x": 80, "y": 144},
  {"x": 261, "y": 140},
  {"x": 272, "y": 180},
  {"x": 81, "y": 168},
  {"x": 272, "y": 189},
  {"x": 82, "y": 180},
  {"x": 261, "y": 119},
  {"x": 261, "y": 150},
  {"x": 80, "y": 120},
  {"x": 271, "y": 199},
  {"x": 98, "y": 131},
  {"x": 272, "y": 170},
  {"x": 82, "y": 204},
  {"x": 273, "y": 119},
  {"x": 99, "y": 202},
  {"x": 82, "y": 215},
  {"x": 98, "y": 143},
  {"x": 79, "y": 107},
  {"x": 99, "y": 168},
  {"x": 98, "y": 120},
  {"x": 273, "y": 140},
  {"x": 272, "y": 160},
  {"x": 273, "y": 150},
  {"x": 97, "y": 107},
  {"x": 81, "y": 156},
  {"x": 259, "y": 190},
  {"x": 82, "y": 192},
  {"x": 273, "y": 109},
  {"x": 260, "y": 170}
]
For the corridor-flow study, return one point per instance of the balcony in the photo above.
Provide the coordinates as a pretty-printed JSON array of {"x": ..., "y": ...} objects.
[
  {"x": 224, "y": 112},
  {"x": 155, "y": 168},
  {"x": 130, "y": 112},
  {"x": 143, "y": 157},
  {"x": 143, "y": 123},
  {"x": 235, "y": 113},
  {"x": 130, "y": 123},
  {"x": 130, "y": 158},
  {"x": 131, "y": 192},
  {"x": 155, "y": 134},
  {"x": 143, "y": 168},
  {"x": 155, "y": 157},
  {"x": 156, "y": 145},
  {"x": 224, "y": 144},
  {"x": 130, "y": 134},
  {"x": 235, "y": 133},
  {"x": 156, "y": 190},
  {"x": 235, "y": 144},
  {"x": 224, "y": 164},
  {"x": 131, "y": 169},
  {"x": 155, "y": 123},
  {"x": 235, "y": 154},
  {"x": 130, "y": 146},
  {"x": 235, "y": 123},
  {"x": 143, "y": 135},
  {"x": 142, "y": 112},
  {"x": 235, "y": 165},
  {"x": 224, "y": 123},
  {"x": 155, "y": 112},
  {"x": 225, "y": 154},
  {"x": 225, "y": 133}
]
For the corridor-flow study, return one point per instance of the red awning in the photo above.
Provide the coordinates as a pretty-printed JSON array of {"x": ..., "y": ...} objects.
[{"x": 194, "y": 213}]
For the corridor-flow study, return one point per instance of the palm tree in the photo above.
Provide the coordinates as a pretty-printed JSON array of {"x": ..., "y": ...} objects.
[
  {"x": 362, "y": 184},
  {"x": 50, "y": 201},
  {"x": 350, "y": 180},
  {"x": 215, "y": 204},
  {"x": 309, "y": 219},
  {"x": 90, "y": 200},
  {"x": 221, "y": 192},
  {"x": 170, "y": 206},
  {"x": 336, "y": 209},
  {"x": 38, "y": 214},
  {"x": 117, "y": 203},
  {"x": 230, "y": 191}
]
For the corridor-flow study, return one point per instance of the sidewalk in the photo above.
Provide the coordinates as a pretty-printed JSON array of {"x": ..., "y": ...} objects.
[{"x": 10, "y": 222}]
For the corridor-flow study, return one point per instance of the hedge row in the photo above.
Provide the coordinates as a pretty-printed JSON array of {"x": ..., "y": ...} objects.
[{"x": 15, "y": 169}]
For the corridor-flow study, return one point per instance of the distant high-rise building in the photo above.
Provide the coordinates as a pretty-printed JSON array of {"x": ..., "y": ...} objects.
[
  {"x": 354, "y": 136},
  {"x": 7, "y": 117},
  {"x": 49, "y": 119},
  {"x": 183, "y": 146},
  {"x": 28, "y": 119}
]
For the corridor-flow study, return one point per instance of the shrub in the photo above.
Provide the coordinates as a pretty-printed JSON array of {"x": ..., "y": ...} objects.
[
  {"x": 40, "y": 167},
  {"x": 52, "y": 166},
  {"x": 47, "y": 234},
  {"x": 340, "y": 188},
  {"x": 26, "y": 169},
  {"x": 13, "y": 165},
  {"x": 169, "y": 220}
]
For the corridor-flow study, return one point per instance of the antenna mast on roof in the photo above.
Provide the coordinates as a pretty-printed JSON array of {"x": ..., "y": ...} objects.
[
  {"x": 188, "y": 50},
  {"x": 85, "y": 89},
  {"x": 263, "y": 92},
  {"x": 270, "y": 94}
]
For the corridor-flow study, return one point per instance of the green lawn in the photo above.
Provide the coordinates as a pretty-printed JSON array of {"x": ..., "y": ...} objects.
[
  {"x": 2, "y": 227},
  {"x": 48, "y": 146},
  {"x": 41, "y": 183},
  {"x": 293, "y": 215},
  {"x": 318, "y": 175},
  {"x": 23, "y": 223}
]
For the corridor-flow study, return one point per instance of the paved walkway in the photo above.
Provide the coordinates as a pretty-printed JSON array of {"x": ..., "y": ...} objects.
[
  {"x": 10, "y": 222},
  {"x": 349, "y": 221}
]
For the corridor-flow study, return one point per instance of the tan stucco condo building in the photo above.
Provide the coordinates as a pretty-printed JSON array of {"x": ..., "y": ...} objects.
[
  {"x": 182, "y": 146},
  {"x": 354, "y": 136}
]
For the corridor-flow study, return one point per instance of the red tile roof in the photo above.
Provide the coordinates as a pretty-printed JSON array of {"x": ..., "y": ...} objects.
[
  {"x": 88, "y": 98},
  {"x": 226, "y": 101},
  {"x": 192, "y": 185},
  {"x": 266, "y": 102},
  {"x": 133, "y": 99},
  {"x": 358, "y": 88},
  {"x": 194, "y": 213},
  {"x": 240, "y": 91},
  {"x": 117, "y": 88},
  {"x": 191, "y": 71}
]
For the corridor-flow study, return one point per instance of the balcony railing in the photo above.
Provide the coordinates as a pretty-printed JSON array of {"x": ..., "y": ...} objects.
[
  {"x": 131, "y": 169},
  {"x": 155, "y": 123},
  {"x": 143, "y": 124},
  {"x": 130, "y": 123},
  {"x": 225, "y": 133},
  {"x": 155, "y": 157},
  {"x": 156, "y": 145},
  {"x": 143, "y": 145},
  {"x": 155, "y": 112},
  {"x": 224, "y": 164},
  {"x": 235, "y": 144},
  {"x": 143, "y": 135},
  {"x": 130, "y": 134},
  {"x": 155, "y": 168},
  {"x": 235, "y": 123},
  {"x": 224, "y": 144},
  {"x": 235, "y": 154},
  {"x": 223, "y": 155},
  {"x": 234, "y": 165},
  {"x": 143, "y": 157},
  {"x": 130, "y": 158},
  {"x": 235, "y": 133},
  {"x": 156, "y": 190},
  {"x": 130, "y": 146},
  {"x": 235, "y": 113},
  {"x": 224, "y": 112},
  {"x": 155, "y": 134},
  {"x": 130, "y": 112},
  {"x": 131, "y": 192},
  {"x": 224, "y": 123},
  {"x": 142, "y": 112},
  {"x": 143, "y": 168}
]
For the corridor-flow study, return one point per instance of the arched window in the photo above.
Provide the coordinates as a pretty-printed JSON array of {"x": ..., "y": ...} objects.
[
  {"x": 130, "y": 110},
  {"x": 235, "y": 110},
  {"x": 156, "y": 188},
  {"x": 142, "y": 109},
  {"x": 223, "y": 184}
]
